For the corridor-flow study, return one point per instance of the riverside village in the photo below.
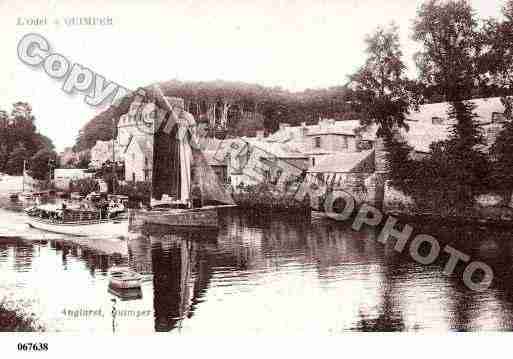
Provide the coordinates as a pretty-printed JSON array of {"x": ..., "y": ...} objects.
[{"x": 381, "y": 203}]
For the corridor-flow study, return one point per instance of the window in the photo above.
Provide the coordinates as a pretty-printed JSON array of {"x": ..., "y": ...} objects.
[
  {"x": 435, "y": 120},
  {"x": 498, "y": 117},
  {"x": 146, "y": 161},
  {"x": 133, "y": 156},
  {"x": 344, "y": 142},
  {"x": 133, "y": 177},
  {"x": 317, "y": 142}
]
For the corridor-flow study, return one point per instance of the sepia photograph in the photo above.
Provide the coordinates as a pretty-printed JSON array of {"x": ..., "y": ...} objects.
[{"x": 256, "y": 168}]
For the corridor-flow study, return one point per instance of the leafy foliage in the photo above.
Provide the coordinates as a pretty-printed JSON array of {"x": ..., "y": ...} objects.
[
  {"x": 136, "y": 192},
  {"x": 41, "y": 162},
  {"x": 19, "y": 139},
  {"x": 249, "y": 107},
  {"x": 450, "y": 38},
  {"x": 380, "y": 86},
  {"x": 456, "y": 169},
  {"x": 14, "y": 165}
]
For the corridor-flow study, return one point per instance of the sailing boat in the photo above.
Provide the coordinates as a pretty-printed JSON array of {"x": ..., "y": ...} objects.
[
  {"x": 24, "y": 195},
  {"x": 186, "y": 192}
]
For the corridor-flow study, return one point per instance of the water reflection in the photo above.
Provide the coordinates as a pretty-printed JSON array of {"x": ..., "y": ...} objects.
[{"x": 259, "y": 275}]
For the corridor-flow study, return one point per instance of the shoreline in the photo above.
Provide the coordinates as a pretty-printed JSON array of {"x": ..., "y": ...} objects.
[{"x": 460, "y": 220}]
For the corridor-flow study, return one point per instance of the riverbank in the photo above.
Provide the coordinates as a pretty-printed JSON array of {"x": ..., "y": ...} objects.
[
  {"x": 263, "y": 199},
  {"x": 12, "y": 320},
  {"x": 500, "y": 217}
]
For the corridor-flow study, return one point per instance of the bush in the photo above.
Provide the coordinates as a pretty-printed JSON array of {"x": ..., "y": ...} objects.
[
  {"x": 13, "y": 320},
  {"x": 136, "y": 192},
  {"x": 265, "y": 197},
  {"x": 84, "y": 186}
]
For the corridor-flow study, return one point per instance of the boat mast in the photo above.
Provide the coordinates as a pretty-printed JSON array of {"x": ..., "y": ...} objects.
[
  {"x": 23, "y": 178},
  {"x": 114, "y": 174},
  {"x": 170, "y": 109}
]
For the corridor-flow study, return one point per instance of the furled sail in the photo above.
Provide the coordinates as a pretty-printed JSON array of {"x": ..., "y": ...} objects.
[
  {"x": 180, "y": 171},
  {"x": 212, "y": 191}
]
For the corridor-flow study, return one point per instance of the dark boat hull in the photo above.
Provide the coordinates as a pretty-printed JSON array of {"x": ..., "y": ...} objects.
[{"x": 201, "y": 218}]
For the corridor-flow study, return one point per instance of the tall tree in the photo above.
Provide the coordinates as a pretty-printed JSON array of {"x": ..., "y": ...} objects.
[
  {"x": 450, "y": 38},
  {"x": 450, "y": 63},
  {"x": 4, "y": 156},
  {"x": 381, "y": 94},
  {"x": 498, "y": 57},
  {"x": 498, "y": 60},
  {"x": 502, "y": 152},
  {"x": 380, "y": 85}
]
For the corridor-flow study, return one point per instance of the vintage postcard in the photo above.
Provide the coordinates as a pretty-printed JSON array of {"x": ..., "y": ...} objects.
[{"x": 255, "y": 167}]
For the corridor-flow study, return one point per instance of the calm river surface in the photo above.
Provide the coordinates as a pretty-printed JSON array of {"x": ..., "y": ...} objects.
[{"x": 257, "y": 276}]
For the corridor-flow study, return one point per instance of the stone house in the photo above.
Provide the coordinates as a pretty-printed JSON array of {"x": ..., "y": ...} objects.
[
  {"x": 327, "y": 137},
  {"x": 254, "y": 160},
  {"x": 138, "y": 157}
]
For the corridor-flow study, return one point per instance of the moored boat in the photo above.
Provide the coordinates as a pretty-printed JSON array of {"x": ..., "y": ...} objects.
[
  {"x": 75, "y": 222},
  {"x": 124, "y": 278},
  {"x": 185, "y": 191},
  {"x": 200, "y": 218}
]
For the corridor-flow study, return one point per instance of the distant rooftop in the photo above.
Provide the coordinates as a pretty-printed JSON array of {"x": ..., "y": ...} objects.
[{"x": 343, "y": 162}]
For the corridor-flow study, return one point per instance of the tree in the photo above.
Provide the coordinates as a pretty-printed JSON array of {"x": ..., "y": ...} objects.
[
  {"x": 468, "y": 163},
  {"x": 498, "y": 58},
  {"x": 450, "y": 63},
  {"x": 449, "y": 60},
  {"x": 380, "y": 90},
  {"x": 502, "y": 152},
  {"x": 40, "y": 164},
  {"x": 498, "y": 36},
  {"x": 380, "y": 85},
  {"x": 14, "y": 165},
  {"x": 4, "y": 156}
]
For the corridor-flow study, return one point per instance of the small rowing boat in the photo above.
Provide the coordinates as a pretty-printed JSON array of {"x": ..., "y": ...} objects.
[{"x": 124, "y": 278}]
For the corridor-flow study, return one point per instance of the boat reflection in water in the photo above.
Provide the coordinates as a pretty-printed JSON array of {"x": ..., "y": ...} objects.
[
  {"x": 126, "y": 293},
  {"x": 260, "y": 275}
]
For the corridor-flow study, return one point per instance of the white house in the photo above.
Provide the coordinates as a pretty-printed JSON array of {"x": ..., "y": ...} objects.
[
  {"x": 431, "y": 123},
  {"x": 138, "y": 157}
]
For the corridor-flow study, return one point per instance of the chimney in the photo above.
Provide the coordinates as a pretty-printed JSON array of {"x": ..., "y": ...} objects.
[
  {"x": 358, "y": 141},
  {"x": 304, "y": 129}
]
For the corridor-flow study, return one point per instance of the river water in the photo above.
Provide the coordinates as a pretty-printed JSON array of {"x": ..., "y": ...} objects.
[{"x": 256, "y": 275}]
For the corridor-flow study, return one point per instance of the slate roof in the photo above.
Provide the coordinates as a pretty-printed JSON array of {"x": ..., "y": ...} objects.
[{"x": 343, "y": 162}]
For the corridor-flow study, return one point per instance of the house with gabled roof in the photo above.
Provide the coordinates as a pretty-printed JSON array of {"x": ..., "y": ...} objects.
[
  {"x": 431, "y": 123},
  {"x": 138, "y": 157}
]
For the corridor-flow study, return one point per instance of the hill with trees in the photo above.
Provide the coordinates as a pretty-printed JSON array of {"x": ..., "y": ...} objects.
[{"x": 239, "y": 108}]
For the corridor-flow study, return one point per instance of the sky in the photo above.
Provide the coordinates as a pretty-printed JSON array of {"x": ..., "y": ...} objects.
[{"x": 292, "y": 44}]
